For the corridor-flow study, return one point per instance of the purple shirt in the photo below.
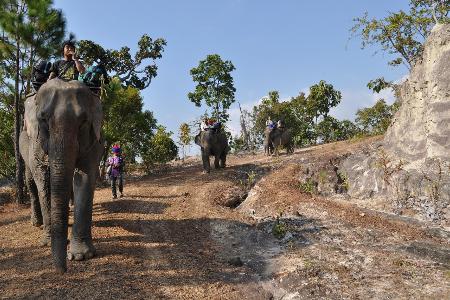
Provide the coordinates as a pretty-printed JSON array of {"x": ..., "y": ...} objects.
[{"x": 114, "y": 162}]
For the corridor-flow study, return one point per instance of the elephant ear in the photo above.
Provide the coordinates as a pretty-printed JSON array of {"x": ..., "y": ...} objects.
[
  {"x": 90, "y": 130},
  {"x": 97, "y": 118},
  {"x": 197, "y": 139},
  {"x": 43, "y": 103}
]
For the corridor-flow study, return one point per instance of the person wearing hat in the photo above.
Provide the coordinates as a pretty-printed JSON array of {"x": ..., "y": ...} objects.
[{"x": 115, "y": 166}]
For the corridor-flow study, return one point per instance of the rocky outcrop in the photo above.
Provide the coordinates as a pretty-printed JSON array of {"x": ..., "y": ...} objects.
[{"x": 411, "y": 167}]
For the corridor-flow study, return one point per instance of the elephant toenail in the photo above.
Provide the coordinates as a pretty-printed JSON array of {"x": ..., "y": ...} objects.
[{"x": 70, "y": 256}]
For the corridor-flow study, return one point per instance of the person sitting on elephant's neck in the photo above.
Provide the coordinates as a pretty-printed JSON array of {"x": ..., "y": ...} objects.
[
  {"x": 216, "y": 126},
  {"x": 68, "y": 68},
  {"x": 270, "y": 123},
  {"x": 204, "y": 125}
]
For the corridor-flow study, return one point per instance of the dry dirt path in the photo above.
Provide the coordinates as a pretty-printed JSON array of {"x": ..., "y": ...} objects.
[{"x": 171, "y": 237}]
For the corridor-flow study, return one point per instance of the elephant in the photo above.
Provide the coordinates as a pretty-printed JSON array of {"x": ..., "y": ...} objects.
[
  {"x": 277, "y": 138},
  {"x": 268, "y": 146},
  {"x": 61, "y": 145},
  {"x": 213, "y": 143}
]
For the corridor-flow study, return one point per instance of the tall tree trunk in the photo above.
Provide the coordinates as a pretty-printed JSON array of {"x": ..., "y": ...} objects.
[
  {"x": 244, "y": 131},
  {"x": 20, "y": 167}
]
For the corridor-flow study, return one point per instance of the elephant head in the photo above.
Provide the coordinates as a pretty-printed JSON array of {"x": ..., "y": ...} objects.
[{"x": 68, "y": 118}]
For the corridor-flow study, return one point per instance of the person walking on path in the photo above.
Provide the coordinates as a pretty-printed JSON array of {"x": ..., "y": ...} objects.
[{"x": 115, "y": 171}]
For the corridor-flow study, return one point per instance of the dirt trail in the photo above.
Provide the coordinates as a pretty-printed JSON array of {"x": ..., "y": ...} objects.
[{"x": 171, "y": 237}]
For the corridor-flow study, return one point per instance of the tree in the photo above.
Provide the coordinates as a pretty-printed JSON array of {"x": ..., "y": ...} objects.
[
  {"x": 376, "y": 119},
  {"x": 328, "y": 130},
  {"x": 160, "y": 149},
  {"x": 124, "y": 120},
  {"x": 31, "y": 30},
  {"x": 348, "y": 129},
  {"x": 296, "y": 113},
  {"x": 322, "y": 97},
  {"x": 185, "y": 137},
  {"x": 214, "y": 85},
  {"x": 133, "y": 70},
  {"x": 7, "y": 158},
  {"x": 402, "y": 34}
]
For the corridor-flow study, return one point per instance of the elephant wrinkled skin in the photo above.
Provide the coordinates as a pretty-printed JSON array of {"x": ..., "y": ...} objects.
[
  {"x": 62, "y": 147},
  {"x": 213, "y": 144}
]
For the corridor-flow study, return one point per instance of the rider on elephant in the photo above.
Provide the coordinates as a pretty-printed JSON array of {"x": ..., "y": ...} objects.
[
  {"x": 70, "y": 67},
  {"x": 270, "y": 124}
]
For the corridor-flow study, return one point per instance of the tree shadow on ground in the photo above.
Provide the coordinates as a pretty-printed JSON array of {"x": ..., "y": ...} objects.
[
  {"x": 153, "y": 256},
  {"x": 125, "y": 205},
  {"x": 14, "y": 220}
]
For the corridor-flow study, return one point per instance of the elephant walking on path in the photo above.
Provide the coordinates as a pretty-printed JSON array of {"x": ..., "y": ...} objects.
[
  {"x": 276, "y": 138},
  {"x": 62, "y": 147},
  {"x": 215, "y": 144}
]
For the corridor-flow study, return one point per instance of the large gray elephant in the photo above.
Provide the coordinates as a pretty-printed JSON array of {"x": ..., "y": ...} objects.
[
  {"x": 278, "y": 138},
  {"x": 213, "y": 143},
  {"x": 62, "y": 147}
]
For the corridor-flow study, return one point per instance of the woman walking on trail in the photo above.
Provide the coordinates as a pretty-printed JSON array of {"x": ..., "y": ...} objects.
[{"x": 115, "y": 170}]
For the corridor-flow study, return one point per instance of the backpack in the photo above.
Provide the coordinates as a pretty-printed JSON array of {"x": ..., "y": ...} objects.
[
  {"x": 93, "y": 76},
  {"x": 40, "y": 74}
]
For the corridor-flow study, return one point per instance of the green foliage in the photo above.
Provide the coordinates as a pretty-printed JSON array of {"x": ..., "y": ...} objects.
[
  {"x": 347, "y": 130},
  {"x": 309, "y": 186},
  {"x": 322, "y": 97},
  {"x": 184, "y": 136},
  {"x": 133, "y": 70},
  {"x": 250, "y": 179},
  {"x": 237, "y": 144},
  {"x": 376, "y": 119},
  {"x": 7, "y": 159},
  {"x": 332, "y": 130},
  {"x": 160, "y": 149},
  {"x": 214, "y": 85},
  {"x": 379, "y": 84},
  {"x": 300, "y": 113},
  {"x": 401, "y": 34},
  {"x": 343, "y": 183},
  {"x": 124, "y": 120},
  {"x": 279, "y": 229},
  {"x": 31, "y": 30}
]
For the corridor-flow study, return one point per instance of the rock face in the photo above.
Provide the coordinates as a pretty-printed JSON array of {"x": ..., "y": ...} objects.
[{"x": 411, "y": 167}]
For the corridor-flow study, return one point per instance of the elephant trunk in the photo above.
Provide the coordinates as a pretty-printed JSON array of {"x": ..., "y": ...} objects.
[{"x": 62, "y": 164}]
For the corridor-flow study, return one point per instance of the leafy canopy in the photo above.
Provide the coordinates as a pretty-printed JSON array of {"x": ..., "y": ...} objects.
[
  {"x": 402, "y": 34},
  {"x": 214, "y": 85},
  {"x": 136, "y": 70}
]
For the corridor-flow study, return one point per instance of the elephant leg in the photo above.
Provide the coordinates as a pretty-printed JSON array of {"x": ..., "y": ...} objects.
[
  {"x": 81, "y": 246},
  {"x": 42, "y": 180},
  {"x": 216, "y": 161},
  {"x": 223, "y": 160},
  {"x": 36, "y": 214},
  {"x": 205, "y": 159}
]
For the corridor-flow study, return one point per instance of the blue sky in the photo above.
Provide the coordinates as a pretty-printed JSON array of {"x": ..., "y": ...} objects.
[{"x": 284, "y": 45}]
